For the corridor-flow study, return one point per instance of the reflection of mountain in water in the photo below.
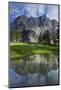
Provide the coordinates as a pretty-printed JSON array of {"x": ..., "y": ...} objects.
[
  {"x": 34, "y": 70},
  {"x": 36, "y": 64}
]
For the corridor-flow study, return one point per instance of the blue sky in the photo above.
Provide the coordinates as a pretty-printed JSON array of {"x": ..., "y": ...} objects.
[{"x": 17, "y": 9}]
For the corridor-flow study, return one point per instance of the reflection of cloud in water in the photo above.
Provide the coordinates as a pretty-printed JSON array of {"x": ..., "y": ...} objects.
[
  {"x": 32, "y": 79},
  {"x": 53, "y": 77},
  {"x": 15, "y": 80}
]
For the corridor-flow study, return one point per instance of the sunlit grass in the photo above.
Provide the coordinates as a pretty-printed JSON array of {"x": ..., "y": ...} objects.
[{"x": 18, "y": 50}]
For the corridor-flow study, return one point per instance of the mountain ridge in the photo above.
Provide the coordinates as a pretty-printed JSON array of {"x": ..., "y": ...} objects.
[{"x": 33, "y": 26}]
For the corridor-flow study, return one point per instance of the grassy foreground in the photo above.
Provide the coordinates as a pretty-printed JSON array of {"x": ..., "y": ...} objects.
[{"x": 19, "y": 50}]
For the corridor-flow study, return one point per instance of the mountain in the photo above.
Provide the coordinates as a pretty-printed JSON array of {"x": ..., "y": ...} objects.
[{"x": 31, "y": 27}]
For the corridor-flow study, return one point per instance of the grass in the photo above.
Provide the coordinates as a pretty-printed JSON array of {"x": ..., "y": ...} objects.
[{"x": 19, "y": 50}]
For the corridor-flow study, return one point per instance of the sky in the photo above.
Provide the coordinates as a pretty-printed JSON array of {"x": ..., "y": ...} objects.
[{"x": 34, "y": 10}]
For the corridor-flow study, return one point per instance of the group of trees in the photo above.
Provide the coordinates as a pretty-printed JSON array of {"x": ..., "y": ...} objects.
[
  {"x": 15, "y": 35},
  {"x": 49, "y": 38},
  {"x": 45, "y": 37}
]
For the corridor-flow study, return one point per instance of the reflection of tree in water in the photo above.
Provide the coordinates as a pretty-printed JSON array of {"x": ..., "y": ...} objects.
[
  {"x": 36, "y": 64},
  {"x": 44, "y": 68}
]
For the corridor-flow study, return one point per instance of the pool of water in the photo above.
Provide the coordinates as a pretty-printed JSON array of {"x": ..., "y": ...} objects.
[{"x": 34, "y": 70}]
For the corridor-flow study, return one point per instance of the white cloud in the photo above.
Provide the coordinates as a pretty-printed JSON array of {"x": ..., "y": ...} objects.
[
  {"x": 14, "y": 11},
  {"x": 34, "y": 10},
  {"x": 53, "y": 12},
  {"x": 41, "y": 9},
  {"x": 37, "y": 9}
]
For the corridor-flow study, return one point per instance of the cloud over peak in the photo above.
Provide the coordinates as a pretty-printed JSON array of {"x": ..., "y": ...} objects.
[{"x": 17, "y": 9}]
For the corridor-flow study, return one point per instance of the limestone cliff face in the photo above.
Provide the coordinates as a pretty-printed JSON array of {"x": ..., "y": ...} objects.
[{"x": 31, "y": 27}]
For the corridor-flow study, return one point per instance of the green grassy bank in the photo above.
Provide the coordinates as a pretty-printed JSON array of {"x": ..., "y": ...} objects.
[{"x": 19, "y": 50}]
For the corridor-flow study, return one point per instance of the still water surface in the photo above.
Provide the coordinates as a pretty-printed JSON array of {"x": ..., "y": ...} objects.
[{"x": 34, "y": 70}]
